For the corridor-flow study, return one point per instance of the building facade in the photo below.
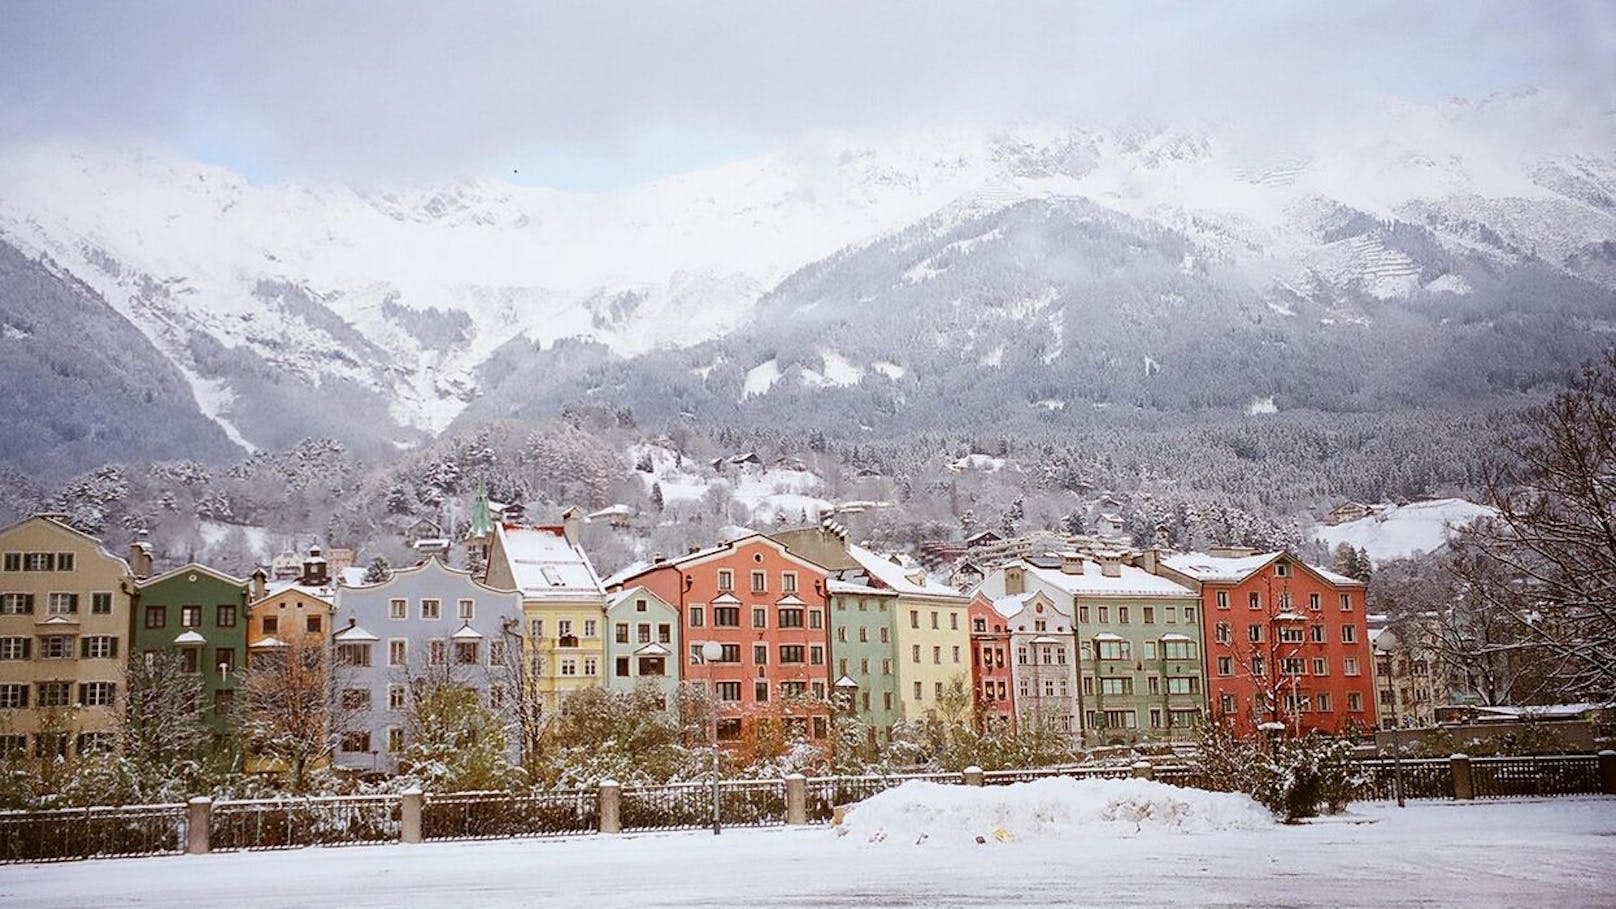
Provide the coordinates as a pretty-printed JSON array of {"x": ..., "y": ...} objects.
[
  {"x": 645, "y": 642},
  {"x": 200, "y": 614},
  {"x": 865, "y": 656},
  {"x": 64, "y": 634},
  {"x": 563, "y": 604},
  {"x": 766, "y": 607},
  {"x": 1406, "y": 679},
  {"x": 1043, "y": 668},
  {"x": 992, "y": 674},
  {"x": 424, "y": 626},
  {"x": 1287, "y": 642}
]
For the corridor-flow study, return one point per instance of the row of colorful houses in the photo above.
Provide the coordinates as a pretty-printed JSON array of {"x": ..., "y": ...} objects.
[{"x": 1105, "y": 647}]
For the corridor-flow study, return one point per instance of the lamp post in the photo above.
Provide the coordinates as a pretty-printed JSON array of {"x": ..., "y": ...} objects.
[{"x": 710, "y": 653}]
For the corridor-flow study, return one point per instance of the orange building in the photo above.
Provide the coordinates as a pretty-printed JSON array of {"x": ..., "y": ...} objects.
[
  {"x": 1286, "y": 642},
  {"x": 767, "y": 607},
  {"x": 990, "y": 662}
]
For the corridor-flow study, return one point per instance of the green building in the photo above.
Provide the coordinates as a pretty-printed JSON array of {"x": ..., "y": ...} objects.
[
  {"x": 864, "y": 663},
  {"x": 202, "y": 614}
]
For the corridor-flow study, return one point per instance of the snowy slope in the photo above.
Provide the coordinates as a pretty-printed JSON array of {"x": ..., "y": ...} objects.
[{"x": 1403, "y": 530}]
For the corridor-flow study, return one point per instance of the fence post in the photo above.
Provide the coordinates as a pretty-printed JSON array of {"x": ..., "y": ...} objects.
[
  {"x": 974, "y": 777},
  {"x": 1464, "y": 785},
  {"x": 1607, "y": 772},
  {"x": 1143, "y": 770},
  {"x": 611, "y": 801},
  {"x": 409, "y": 816},
  {"x": 198, "y": 820},
  {"x": 796, "y": 799}
]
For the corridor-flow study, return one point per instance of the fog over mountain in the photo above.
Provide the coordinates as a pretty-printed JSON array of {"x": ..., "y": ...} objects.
[{"x": 1427, "y": 256}]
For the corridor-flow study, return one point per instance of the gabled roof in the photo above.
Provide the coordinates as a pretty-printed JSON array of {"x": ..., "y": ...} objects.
[
  {"x": 431, "y": 564},
  {"x": 188, "y": 568},
  {"x": 57, "y": 522},
  {"x": 466, "y": 633},
  {"x": 913, "y": 582},
  {"x": 189, "y": 638},
  {"x": 267, "y": 642},
  {"x": 544, "y": 565},
  {"x": 637, "y": 592},
  {"x": 724, "y": 549},
  {"x": 354, "y": 634},
  {"x": 653, "y": 649},
  {"x": 1233, "y": 570}
]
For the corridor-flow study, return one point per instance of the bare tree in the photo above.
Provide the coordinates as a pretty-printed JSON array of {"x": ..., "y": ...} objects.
[
  {"x": 1548, "y": 562},
  {"x": 160, "y": 729},
  {"x": 289, "y": 709}
]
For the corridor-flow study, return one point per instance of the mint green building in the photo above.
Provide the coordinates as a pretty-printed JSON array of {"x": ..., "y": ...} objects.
[{"x": 201, "y": 614}]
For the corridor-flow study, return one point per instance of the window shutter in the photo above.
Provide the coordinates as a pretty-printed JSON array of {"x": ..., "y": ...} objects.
[
  {"x": 112, "y": 649},
  {"x": 27, "y": 648},
  {"x": 84, "y": 647},
  {"x": 84, "y": 693},
  {"x": 73, "y": 603}
]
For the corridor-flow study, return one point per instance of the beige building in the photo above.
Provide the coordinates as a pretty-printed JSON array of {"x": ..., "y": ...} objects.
[
  {"x": 1405, "y": 681},
  {"x": 64, "y": 634}
]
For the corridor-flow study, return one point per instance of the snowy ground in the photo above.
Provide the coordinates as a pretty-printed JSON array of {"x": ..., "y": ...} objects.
[{"x": 1476, "y": 855}]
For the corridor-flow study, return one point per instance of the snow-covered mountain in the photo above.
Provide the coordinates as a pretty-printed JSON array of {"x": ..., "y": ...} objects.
[{"x": 382, "y": 312}]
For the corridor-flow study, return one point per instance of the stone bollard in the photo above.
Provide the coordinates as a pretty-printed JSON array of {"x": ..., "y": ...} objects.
[
  {"x": 973, "y": 776},
  {"x": 1143, "y": 770},
  {"x": 198, "y": 819},
  {"x": 611, "y": 801},
  {"x": 796, "y": 799},
  {"x": 409, "y": 816},
  {"x": 1607, "y": 772},
  {"x": 1464, "y": 786}
]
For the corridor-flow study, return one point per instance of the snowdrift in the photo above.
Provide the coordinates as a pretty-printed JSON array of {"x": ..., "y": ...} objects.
[{"x": 1055, "y": 808}]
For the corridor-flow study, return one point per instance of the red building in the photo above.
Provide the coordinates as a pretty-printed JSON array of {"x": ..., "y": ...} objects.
[
  {"x": 768, "y": 608},
  {"x": 1286, "y": 642},
  {"x": 990, "y": 662}
]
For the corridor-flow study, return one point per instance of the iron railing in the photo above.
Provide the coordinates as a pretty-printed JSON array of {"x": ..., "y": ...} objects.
[
  {"x": 1503, "y": 777},
  {"x": 486, "y": 815},
  {"x": 1424, "y": 778},
  {"x": 674, "y": 806},
  {"x": 80, "y": 833},
  {"x": 318, "y": 821}
]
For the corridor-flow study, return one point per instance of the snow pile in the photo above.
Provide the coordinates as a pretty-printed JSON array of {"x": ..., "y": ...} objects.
[{"x": 1053, "y": 808}]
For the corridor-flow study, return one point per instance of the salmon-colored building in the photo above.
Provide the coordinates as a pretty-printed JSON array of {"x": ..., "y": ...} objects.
[
  {"x": 990, "y": 662},
  {"x": 1286, "y": 642},
  {"x": 768, "y": 608}
]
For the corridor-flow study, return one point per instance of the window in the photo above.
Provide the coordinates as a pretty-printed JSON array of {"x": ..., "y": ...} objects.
[
  {"x": 356, "y": 699},
  {"x": 816, "y": 618},
  {"x": 13, "y": 696},
  {"x": 620, "y": 633},
  {"x": 398, "y": 651},
  {"x": 1189, "y": 614},
  {"x": 64, "y": 561},
  {"x": 1282, "y": 570},
  {"x": 1313, "y": 602},
  {"x": 63, "y": 604},
  {"x": 886, "y": 667},
  {"x": 467, "y": 610},
  {"x": 56, "y": 647},
  {"x": 1178, "y": 650},
  {"x": 760, "y": 582},
  {"x": 729, "y": 728},
  {"x": 1121, "y": 719},
  {"x": 53, "y": 694},
  {"x": 99, "y": 647},
  {"x": 643, "y": 632},
  {"x": 101, "y": 603},
  {"x": 536, "y": 628},
  {"x": 729, "y": 691},
  {"x": 957, "y": 653},
  {"x": 882, "y": 633},
  {"x": 16, "y": 604},
  {"x": 726, "y": 582},
  {"x": 569, "y": 667},
  {"x": 1254, "y": 633},
  {"x": 788, "y": 582},
  {"x": 1113, "y": 650},
  {"x": 224, "y": 658},
  {"x": 398, "y": 609},
  {"x": 272, "y": 624},
  {"x": 1225, "y": 666},
  {"x": 224, "y": 616},
  {"x": 591, "y": 667},
  {"x": 190, "y": 616},
  {"x": 1188, "y": 684},
  {"x": 157, "y": 617},
  {"x": 591, "y": 628},
  {"x": 356, "y": 742},
  {"x": 431, "y": 609},
  {"x": 760, "y": 617},
  {"x": 1349, "y": 634},
  {"x": 1154, "y": 684},
  {"x": 937, "y": 655},
  {"x": 1116, "y": 686},
  {"x": 760, "y": 691},
  {"x": 816, "y": 655},
  {"x": 1355, "y": 701},
  {"x": 1083, "y": 614},
  {"x": 1148, "y": 614},
  {"x": 13, "y": 561},
  {"x": 1223, "y": 599},
  {"x": 731, "y": 654},
  {"x": 920, "y": 692},
  {"x": 15, "y": 648},
  {"x": 726, "y": 617},
  {"x": 395, "y": 740},
  {"x": 620, "y": 667},
  {"x": 1122, "y": 615},
  {"x": 791, "y": 653},
  {"x": 979, "y": 625},
  {"x": 664, "y": 633},
  {"x": 312, "y": 624},
  {"x": 1290, "y": 634},
  {"x": 1292, "y": 666},
  {"x": 914, "y": 653},
  {"x": 1258, "y": 667},
  {"x": 437, "y": 652},
  {"x": 1346, "y": 602},
  {"x": 1105, "y": 615},
  {"x": 1226, "y": 703},
  {"x": 38, "y": 561},
  {"x": 467, "y": 653},
  {"x": 791, "y": 617},
  {"x": 1255, "y": 600},
  {"x": 697, "y": 617},
  {"x": 1222, "y": 633}
]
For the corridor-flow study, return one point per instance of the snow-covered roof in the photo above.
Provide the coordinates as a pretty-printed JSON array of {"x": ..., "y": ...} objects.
[
  {"x": 1046, "y": 639},
  {"x": 268, "y": 642},
  {"x": 904, "y": 581},
  {"x": 190, "y": 638},
  {"x": 1227, "y": 569},
  {"x": 630, "y": 570},
  {"x": 1108, "y": 636},
  {"x": 844, "y": 682},
  {"x": 1129, "y": 582},
  {"x": 1008, "y": 606},
  {"x": 352, "y": 576},
  {"x": 279, "y": 588},
  {"x": 1175, "y": 636},
  {"x": 790, "y": 599},
  {"x": 354, "y": 634},
  {"x": 653, "y": 649},
  {"x": 544, "y": 565},
  {"x": 466, "y": 633}
]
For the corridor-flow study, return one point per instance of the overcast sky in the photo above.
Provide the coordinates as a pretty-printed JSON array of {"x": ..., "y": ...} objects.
[{"x": 592, "y": 94}]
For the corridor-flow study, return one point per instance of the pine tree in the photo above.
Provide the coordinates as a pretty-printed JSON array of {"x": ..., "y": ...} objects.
[{"x": 378, "y": 570}]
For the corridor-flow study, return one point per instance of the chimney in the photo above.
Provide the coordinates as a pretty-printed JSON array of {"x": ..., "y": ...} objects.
[
  {"x": 658, "y": 558},
  {"x": 1110, "y": 564},
  {"x": 257, "y": 585},
  {"x": 1071, "y": 562},
  {"x": 1015, "y": 580},
  {"x": 1231, "y": 552},
  {"x": 140, "y": 557},
  {"x": 1151, "y": 560},
  {"x": 569, "y": 525}
]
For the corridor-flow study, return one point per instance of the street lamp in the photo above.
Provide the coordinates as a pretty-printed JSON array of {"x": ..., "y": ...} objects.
[{"x": 710, "y": 653}]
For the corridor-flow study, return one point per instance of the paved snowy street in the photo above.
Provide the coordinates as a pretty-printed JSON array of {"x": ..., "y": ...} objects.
[{"x": 1475, "y": 855}]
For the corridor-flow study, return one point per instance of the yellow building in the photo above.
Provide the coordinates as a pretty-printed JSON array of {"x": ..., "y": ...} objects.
[
  {"x": 64, "y": 634},
  {"x": 563, "y": 604}
]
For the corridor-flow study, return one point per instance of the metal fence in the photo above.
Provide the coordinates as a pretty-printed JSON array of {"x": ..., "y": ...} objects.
[
  {"x": 289, "y": 823},
  {"x": 79, "y": 833},
  {"x": 1503, "y": 777},
  {"x": 485, "y": 815},
  {"x": 825, "y": 793},
  {"x": 676, "y": 806},
  {"x": 1005, "y": 777},
  {"x": 1426, "y": 778}
]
